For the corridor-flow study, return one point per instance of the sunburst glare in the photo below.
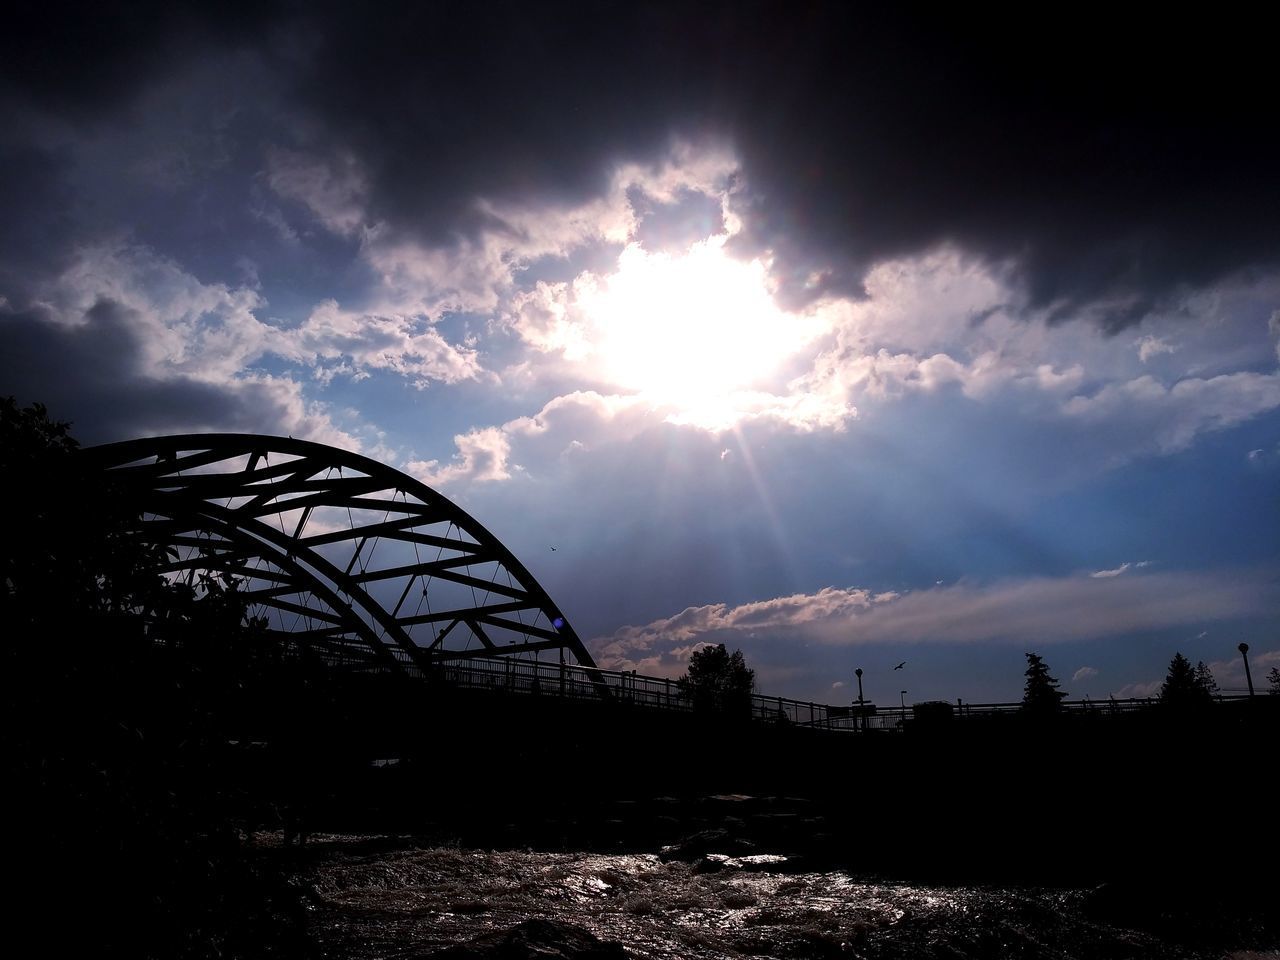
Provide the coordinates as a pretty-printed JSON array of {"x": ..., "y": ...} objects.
[{"x": 690, "y": 331}]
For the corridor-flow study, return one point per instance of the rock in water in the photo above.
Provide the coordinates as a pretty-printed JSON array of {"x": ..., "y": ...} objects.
[
  {"x": 535, "y": 940},
  {"x": 696, "y": 846}
]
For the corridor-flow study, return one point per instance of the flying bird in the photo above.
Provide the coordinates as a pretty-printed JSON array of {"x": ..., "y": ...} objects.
[{"x": 901, "y": 665}]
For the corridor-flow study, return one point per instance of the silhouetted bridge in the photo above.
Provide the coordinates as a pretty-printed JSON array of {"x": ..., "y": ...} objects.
[
  {"x": 369, "y": 570},
  {"x": 524, "y": 677}
]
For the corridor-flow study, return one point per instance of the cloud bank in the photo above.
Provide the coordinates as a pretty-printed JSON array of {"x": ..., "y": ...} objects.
[{"x": 1031, "y": 611}]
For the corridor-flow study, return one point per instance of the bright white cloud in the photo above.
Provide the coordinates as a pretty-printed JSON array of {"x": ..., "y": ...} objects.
[
  {"x": 573, "y": 423},
  {"x": 206, "y": 331},
  {"x": 1084, "y": 673},
  {"x": 482, "y": 457},
  {"x": 1152, "y": 346},
  {"x": 929, "y": 324},
  {"x": 1113, "y": 572},
  {"x": 693, "y": 624},
  {"x": 696, "y": 336},
  {"x": 585, "y": 417},
  {"x": 210, "y": 331},
  {"x": 472, "y": 276},
  {"x": 479, "y": 272},
  {"x": 1123, "y": 568},
  {"x": 185, "y": 331},
  {"x": 545, "y": 318},
  {"x": 335, "y": 340},
  {"x": 1169, "y": 418}
]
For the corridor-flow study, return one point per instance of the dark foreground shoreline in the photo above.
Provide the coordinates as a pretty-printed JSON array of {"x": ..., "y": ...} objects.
[{"x": 1153, "y": 824}]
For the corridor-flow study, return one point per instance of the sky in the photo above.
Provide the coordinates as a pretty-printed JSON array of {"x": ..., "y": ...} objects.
[{"x": 840, "y": 335}]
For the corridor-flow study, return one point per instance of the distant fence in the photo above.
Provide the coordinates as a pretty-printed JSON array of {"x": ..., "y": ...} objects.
[{"x": 570, "y": 681}]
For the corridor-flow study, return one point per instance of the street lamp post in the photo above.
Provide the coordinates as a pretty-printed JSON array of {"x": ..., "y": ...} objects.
[
  {"x": 862, "y": 713},
  {"x": 902, "y": 699},
  {"x": 1244, "y": 652}
]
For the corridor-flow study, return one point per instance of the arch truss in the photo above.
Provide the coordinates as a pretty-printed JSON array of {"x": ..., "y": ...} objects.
[{"x": 358, "y": 562}]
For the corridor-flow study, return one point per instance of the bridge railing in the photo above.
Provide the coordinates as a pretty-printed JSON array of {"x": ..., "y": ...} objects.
[
  {"x": 510, "y": 675},
  {"x": 572, "y": 681}
]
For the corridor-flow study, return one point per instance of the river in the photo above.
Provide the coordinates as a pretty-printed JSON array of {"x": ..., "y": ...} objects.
[{"x": 389, "y": 899}]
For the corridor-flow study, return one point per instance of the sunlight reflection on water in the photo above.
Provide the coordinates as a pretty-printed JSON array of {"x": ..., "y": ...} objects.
[{"x": 407, "y": 902}]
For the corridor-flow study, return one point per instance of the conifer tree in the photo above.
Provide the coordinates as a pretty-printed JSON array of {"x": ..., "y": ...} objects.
[
  {"x": 1273, "y": 678},
  {"x": 1041, "y": 694},
  {"x": 1205, "y": 681},
  {"x": 1184, "y": 686}
]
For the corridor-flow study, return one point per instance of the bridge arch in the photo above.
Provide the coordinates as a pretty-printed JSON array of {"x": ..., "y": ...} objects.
[{"x": 353, "y": 560}]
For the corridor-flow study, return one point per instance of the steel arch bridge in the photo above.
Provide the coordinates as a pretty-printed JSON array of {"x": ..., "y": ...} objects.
[{"x": 344, "y": 556}]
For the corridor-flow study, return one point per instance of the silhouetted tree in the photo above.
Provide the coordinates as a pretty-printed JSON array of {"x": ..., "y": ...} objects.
[
  {"x": 1205, "y": 681},
  {"x": 718, "y": 681},
  {"x": 116, "y": 767},
  {"x": 1041, "y": 695},
  {"x": 1273, "y": 678},
  {"x": 68, "y": 548},
  {"x": 1184, "y": 685}
]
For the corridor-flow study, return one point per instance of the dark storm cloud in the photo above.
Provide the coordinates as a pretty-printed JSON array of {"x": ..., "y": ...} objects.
[
  {"x": 36, "y": 219},
  {"x": 1115, "y": 162},
  {"x": 84, "y": 61},
  {"x": 102, "y": 385}
]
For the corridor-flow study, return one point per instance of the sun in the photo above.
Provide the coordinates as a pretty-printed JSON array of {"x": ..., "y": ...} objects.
[{"x": 689, "y": 331}]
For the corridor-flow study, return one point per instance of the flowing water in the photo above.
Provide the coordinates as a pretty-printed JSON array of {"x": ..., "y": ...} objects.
[{"x": 408, "y": 901}]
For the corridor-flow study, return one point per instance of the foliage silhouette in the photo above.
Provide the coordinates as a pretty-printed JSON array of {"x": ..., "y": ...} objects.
[
  {"x": 67, "y": 536},
  {"x": 1273, "y": 678},
  {"x": 1186, "y": 686},
  {"x": 719, "y": 682},
  {"x": 1205, "y": 680},
  {"x": 118, "y": 689},
  {"x": 1040, "y": 696}
]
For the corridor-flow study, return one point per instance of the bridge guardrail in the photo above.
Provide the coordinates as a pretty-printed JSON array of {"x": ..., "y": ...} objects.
[{"x": 572, "y": 681}]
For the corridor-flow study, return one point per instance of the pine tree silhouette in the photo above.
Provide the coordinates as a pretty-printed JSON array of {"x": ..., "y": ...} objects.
[
  {"x": 1205, "y": 680},
  {"x": 1041, "y": 695},
  {"x": 1186, "y": 686}
]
